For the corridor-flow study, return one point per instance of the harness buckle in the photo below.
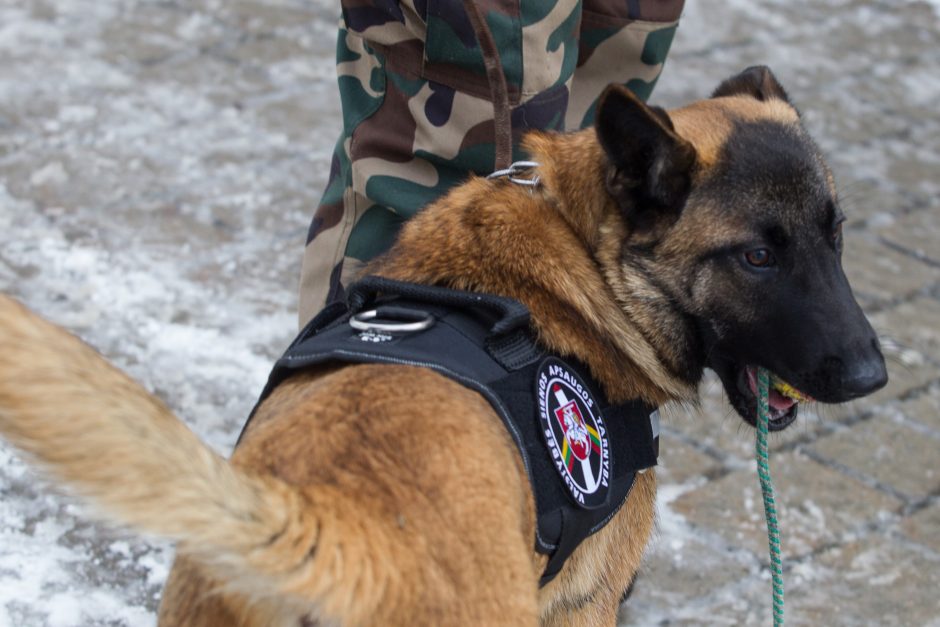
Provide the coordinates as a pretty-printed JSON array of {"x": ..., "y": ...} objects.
[
  {"x": 512, "y": 172},
  {"x": 419, "y": 321}
]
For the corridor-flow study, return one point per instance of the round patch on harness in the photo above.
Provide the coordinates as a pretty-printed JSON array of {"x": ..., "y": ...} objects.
[{"x": 574, "y": 432}]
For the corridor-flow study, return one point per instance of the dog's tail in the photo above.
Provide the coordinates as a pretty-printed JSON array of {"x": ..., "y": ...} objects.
[{"x": 107, "y": 438}]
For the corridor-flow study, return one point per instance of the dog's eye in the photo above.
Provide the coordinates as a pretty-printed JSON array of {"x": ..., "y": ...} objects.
[
  {"x": 837, "y": 232},
  {"x": 759, "y": 257}
]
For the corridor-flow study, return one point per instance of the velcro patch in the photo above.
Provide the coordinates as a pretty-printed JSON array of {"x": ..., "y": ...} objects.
[{"x": 574, "y": 433}]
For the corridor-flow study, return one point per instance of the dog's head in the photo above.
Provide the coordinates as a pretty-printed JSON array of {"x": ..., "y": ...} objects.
[{"x": 733, "y": 223}]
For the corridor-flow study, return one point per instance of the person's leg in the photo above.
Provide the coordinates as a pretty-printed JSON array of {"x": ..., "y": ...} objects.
[
  {"x": 417, "y": 116},
  {"x": 361, "y": 81},
  {"x": 622, "y": 41}
]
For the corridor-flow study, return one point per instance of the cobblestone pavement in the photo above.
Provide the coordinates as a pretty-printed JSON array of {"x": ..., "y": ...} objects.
[{"x": 158, "y": 164}]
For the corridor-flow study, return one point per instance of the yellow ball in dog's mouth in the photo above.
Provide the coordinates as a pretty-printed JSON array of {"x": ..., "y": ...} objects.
[{"x": 788, "y": 390}]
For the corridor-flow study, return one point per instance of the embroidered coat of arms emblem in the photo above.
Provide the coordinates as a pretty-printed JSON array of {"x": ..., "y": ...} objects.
[{"x": 574, "y": 432}]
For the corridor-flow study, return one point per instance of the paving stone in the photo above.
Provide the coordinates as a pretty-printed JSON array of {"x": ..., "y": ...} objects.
[
  {"x": 151, "y": 34},
  {"x": 718, "y": 427},
  {"x": 294, "y": 115},
  {"x": 714, "y": 425},
  {"x": 908, "y": 369},
  {"x": 924, "y": 409},
  {"x": 910, "y": 337},
  {"x": 869, "y": 582},
  {"x": 817, "y": 505},
  {"x": 676, "y": 576},
  {"x": 914, "y": 324},
  {"x": 680, "y": 462},
  {"x": 914, "y": 168},
  {"x": 879, "y": 274},
  {"x": 916, "y": 232},
  {"x": 924, "y": 526},
  {"x": 872, "y": 581},
  {"x": 871, "y": 201},
  {"x": 851, "y": 129},
  {"x": 887, "y": 451}
]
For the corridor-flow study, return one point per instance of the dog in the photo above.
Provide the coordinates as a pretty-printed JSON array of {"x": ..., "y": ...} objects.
[{"x": 656, "y": 244}]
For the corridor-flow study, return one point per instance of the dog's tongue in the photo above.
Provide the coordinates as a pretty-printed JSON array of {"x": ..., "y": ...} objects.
[{"x": 775, "y": 399}]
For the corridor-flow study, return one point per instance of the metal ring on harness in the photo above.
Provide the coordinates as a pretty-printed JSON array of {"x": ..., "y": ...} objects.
[
  {"x": 518, "y": 167},
  {"x": 362, "y": 322}
]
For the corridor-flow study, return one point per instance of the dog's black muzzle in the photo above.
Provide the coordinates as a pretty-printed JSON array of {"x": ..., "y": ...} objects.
[{"x": 812, "y": 335}]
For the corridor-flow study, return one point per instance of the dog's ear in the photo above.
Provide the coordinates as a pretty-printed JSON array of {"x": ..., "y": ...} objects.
[
  {"x": 650, "y": 165},
  {"x": 756, "y": 81}
]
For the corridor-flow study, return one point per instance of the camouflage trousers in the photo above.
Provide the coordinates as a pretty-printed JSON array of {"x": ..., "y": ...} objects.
[{"x": 417, "y": 115}]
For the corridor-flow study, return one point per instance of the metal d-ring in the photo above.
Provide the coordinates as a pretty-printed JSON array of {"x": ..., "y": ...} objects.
[
  {"x": 517, "y": 168},
  {"x": 361, "y": 322}
]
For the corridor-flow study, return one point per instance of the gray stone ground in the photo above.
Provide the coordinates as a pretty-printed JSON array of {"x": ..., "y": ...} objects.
[{"x": 158, "y": 165}]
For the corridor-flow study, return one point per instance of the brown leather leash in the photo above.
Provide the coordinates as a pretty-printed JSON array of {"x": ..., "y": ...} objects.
[{"x": 499, "y": 91}]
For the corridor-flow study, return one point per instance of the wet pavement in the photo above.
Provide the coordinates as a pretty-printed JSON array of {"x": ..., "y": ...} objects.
[{"x": 159, "y": 162}]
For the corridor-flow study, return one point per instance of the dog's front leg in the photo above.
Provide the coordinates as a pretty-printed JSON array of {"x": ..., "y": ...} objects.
[
  {"x": 589, "y": 589},
  {"x": 593, "y": 610}
]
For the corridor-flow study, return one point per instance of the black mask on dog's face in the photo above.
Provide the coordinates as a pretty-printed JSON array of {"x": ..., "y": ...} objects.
[
  {"x": 740, "y": 229},
  {"x": 792, "y": 310}
]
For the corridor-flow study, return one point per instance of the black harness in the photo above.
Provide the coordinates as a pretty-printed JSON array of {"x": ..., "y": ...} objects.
[{"x": 580, "y": 452}]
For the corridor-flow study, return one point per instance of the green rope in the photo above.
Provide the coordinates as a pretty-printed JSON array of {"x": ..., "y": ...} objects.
[{"x": 767, "y": 489}]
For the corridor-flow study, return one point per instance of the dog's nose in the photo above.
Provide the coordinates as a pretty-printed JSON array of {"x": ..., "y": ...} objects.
[{"x": 864, "y": 375}]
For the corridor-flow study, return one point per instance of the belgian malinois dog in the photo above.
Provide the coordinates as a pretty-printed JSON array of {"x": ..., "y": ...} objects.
[{"x": 656, "y": 244}]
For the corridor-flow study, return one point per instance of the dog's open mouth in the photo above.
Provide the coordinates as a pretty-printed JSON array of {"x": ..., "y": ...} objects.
[{"x": 783, "y": 400}]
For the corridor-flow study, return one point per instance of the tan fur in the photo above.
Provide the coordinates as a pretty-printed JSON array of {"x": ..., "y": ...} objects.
[
  {"x": 405, "y": 505},
  {"x": 707, "y": 123}
]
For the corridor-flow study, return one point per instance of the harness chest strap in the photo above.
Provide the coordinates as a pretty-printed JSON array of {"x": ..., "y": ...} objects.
[{"x": 580, "y": 452}]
